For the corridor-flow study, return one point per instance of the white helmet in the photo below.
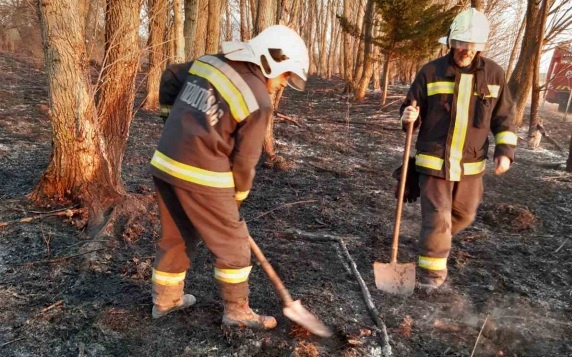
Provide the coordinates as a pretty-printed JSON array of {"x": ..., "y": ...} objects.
[
  {"x": 276, "y": 50},
  {"x": 469, "y": 30}
]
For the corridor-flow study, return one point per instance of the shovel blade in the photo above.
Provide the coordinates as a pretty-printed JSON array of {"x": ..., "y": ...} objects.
[
  {"x": 395, "y": 278},
  {"x": 298, "y": 313}
]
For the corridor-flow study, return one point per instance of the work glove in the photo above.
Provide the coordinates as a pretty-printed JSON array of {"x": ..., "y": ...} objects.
[{"x": 412, "y": 189}]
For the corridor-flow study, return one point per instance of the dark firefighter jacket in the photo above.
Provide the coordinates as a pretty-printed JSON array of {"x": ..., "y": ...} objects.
[
  {"x": 217, "y": 115},
  {"x": 457, "y": 111}
]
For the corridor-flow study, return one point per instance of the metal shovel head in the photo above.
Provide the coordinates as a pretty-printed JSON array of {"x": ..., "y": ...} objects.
[
  {"x": 298, "y": 313},
  {"x": 395, "y": 278}
]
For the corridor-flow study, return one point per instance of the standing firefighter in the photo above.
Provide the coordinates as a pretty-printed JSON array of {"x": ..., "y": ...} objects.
[
  {"x": 460, "y": 97},
  {"x": 218, "y": 107}
]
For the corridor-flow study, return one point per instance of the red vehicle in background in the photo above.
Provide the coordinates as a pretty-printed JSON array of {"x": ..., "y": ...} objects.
[{"x": 559, "y": 78}]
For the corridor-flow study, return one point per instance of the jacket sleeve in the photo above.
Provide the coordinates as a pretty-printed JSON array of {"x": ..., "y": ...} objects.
[
  {"x": 502, "y": 124},
  {"x": 172, "y": 80},
  {"x": 249, "y": 139},
  {"x": 417, "y": 92}
]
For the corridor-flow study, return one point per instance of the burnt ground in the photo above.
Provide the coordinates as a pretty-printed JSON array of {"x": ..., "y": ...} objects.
[{"x": 510, "y": 269}]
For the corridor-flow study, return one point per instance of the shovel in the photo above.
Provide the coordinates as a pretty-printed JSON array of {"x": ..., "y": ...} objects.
[
  {"x": 392, "y": 277},
  {"x": 292, "y": 309}
]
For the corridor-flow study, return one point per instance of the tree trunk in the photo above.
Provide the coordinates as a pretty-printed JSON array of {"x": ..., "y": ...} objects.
[
  {"x": 515, "y": 48},
  {"x": 368, "y": 50},
  {"x": 200, "y": 35},
  {"x": 386, "y": 65},
  {"x": 348, "y": 50},
  {"x": 359, "y": 47},
  {"x": 228, "y": 22},
  {"x": 191, "y": 8},
  {"x": 158, "y": 12},
  {"x": 244, "y": 33},
  {"x": 520, "y": 81},
  {"x": 569, "y": 162},
  {"x": 478, "y": 4},
  {"x": 178, "y": 33},
  {"x": 265, "y": 15},
  {"x": 214, "y": 25},
  {"x": 88, "y": 142},
  {"x": 77, "y": 154},
  {"x": 534, "y": 134}
]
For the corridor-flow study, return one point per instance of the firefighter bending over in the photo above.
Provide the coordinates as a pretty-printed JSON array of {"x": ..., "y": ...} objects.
[{"x": 217, "y": 108}]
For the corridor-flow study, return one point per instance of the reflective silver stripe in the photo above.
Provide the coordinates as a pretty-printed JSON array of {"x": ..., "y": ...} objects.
[
  {"x": 163, "y": 278},
  {"x": 461, "y": 125},
  {"x": 430, "y": 162},
  {"x": 474, "y": 168},
  {"x": 236, "y": 79},
  {"x": 232, "y": 275},
  {"x": 432, "y": 263},
  {"x": 494, "y": 89},
  {"x": 506, "y": 137}
]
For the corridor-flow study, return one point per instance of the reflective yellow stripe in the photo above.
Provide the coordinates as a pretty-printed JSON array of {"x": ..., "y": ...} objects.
[
  {"x": 232, "y": 275},
  {"x": 430, "y": 162},
  {"x": 461, "y": 124},
  {"x": 440, "y": 88},
  {"x": 192, "y": 174},
  {"x": 241, "y": 195},
  {"x": 165, "y": 110},
  {"x": 506, "y": 137},
  {"x": 473, "y": 168},
  {"x": 432, "y": 263},
  {"x": 224, "y": 86},
  {"x": 163, "y": 278}
]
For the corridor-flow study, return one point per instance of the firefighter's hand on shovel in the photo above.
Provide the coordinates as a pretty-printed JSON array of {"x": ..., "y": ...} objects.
[{"x": 292, "y": 309}]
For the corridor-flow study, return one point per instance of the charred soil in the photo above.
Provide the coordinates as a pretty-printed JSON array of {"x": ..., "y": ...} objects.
[{"x": 509, "y": 291}]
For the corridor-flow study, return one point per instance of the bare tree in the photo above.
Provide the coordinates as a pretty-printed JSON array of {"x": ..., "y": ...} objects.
[
  {"x": 89, "y": 137},
  {"x": 200, "y": 35},
  {"x": 368, "y": 51}
]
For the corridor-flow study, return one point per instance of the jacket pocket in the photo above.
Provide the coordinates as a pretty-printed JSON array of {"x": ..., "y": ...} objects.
[{"x": 483, "y": 112}]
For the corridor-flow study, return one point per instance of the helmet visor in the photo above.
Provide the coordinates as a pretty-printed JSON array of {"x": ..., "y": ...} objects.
[
  {"x": 467, "y": 45},
  {"x": 296, "y": 82}
]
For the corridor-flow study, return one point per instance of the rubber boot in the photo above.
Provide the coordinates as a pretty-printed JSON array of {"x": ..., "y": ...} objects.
[
  {"x": 169, "y": 298},
  {"x": 237, "y": 311},
  {"x": 430, "y": 281}
]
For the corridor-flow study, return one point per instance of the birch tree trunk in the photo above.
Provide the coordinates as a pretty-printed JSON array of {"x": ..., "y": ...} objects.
[{"x": 158, "y": 12}]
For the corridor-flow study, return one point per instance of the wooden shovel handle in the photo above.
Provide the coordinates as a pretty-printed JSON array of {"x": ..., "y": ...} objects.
[
  {"x": 401, "y": 191},
  {"x": 280, "y": 288}
]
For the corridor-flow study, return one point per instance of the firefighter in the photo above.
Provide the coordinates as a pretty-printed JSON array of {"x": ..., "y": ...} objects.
[
  {"x": 460, "y": 98},
  {"x": 217, "y": 109}
]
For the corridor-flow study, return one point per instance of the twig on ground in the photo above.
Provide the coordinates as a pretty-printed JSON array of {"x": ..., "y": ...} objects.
[
  {"x": 365, "y": 292},
  {"x": 43, "y": 212},
  {"x": 562, "y": 245},
  {"x": 287, "y": 118},
  {"x": 479, "y": 336},
  {"x": 328, "y": 170},
  {"x": 284, "y": 205},
  {"x": 68, "y": 213},
  {"x": 57, "y": 260},
  {"x": 395, "y": 101},
  {"x": 9, "y": 342},
  {"x": 53, "y": 306}
]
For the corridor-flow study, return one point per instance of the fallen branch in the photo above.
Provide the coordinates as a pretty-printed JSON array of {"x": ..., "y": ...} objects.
[
  {"x": 9, "y": 342},
  {"x": 68, "y": 213},
  {"x": 562, "y": 245},
  {"x": 57, "y": 260},
  {"x": 479, "y": 336},
  {"x": 287, "y": 118},
  {"x": 386, "y": 348},
  {"x": 542, "y": 131},
  {"x": 328, "y": 170},
  {"x": 52, "y": 306},
  {"x": 284, "y": 205}
]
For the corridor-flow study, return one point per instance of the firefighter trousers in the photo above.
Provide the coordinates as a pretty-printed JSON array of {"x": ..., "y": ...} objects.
[
  {"x": 446, "y": 208},
  {"x": 186, "y": 219}
]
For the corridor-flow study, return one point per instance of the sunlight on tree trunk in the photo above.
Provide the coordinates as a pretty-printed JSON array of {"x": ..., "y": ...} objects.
[
  {"x": 179, "y": 33},
  {"x": 213, "y": 26},
  {"x": 190, "y": 27},
  {"x": 158, "y": 12}
]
